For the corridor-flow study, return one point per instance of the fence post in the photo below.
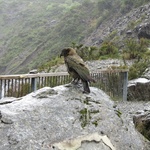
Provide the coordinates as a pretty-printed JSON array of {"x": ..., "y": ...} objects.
[
  {"x": 125, "y": 85},
  {"x": 33, "y": 84},
  {"x": 1, "y": 89}
]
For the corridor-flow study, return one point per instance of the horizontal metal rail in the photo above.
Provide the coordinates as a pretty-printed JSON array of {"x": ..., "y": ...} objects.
[{"x": 113, "y": 82}]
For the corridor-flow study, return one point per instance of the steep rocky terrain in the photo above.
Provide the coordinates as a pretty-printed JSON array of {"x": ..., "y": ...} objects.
[
  {"x": 33, "y": 33},
  {"x": 133, "y": 24}
]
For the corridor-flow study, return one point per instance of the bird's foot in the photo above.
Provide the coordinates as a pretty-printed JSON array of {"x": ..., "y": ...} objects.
[
  {"x": 86, "y": 92},
  {"x": 68, "y": 85},
  {"x": 79, "y": 85},
  {"x": 74, "y": 82}
]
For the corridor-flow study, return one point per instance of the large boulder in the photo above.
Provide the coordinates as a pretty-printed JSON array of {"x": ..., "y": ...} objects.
[
  {"x": 139, "y": 90},
  {"x": 142, "y": 124},
  {"x": 63, "y": 118},
  {"x": 144, "y": 30}
]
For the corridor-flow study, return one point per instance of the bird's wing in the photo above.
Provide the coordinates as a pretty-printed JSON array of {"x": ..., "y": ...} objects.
[{"x": 76, "y": 63}]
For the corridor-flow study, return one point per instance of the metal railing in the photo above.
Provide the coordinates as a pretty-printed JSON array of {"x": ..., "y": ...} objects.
[{"x": 113, "y": 82}]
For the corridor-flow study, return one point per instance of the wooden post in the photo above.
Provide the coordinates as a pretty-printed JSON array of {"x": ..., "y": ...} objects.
[
  {"x": 125, "y": 85},
  {"x": 33, "y": 84},
  {"x": 1, "y": 89}
]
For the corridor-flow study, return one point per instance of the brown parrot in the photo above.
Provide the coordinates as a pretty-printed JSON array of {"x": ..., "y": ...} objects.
[{"x": 77, "y": 68}]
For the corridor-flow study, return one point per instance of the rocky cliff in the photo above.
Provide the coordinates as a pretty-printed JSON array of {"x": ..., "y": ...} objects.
[
  {"x": 135, "y": 24},
  {"x": 64, "y": 118}
]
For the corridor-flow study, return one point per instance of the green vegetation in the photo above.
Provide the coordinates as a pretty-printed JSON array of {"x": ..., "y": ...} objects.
[
  {"x": 48, "y": 66},
  {"x": 133, "y": 50},
  {"x": 132, "y": 24},
  {"x": 118, "y": 113},
  {"x": 137, "y": 50},
  {"x": 23, "y": 89},
  {"x": 138, "y": 68},
  {"x": 33, "y": 33},
  {"x": 86, "y": 117},
  {"x": 108, "y": 49},
  {"x": 105, "y": 51},
  {"x": 142, "y": 125},
  {"x": 127, "y": 5}
]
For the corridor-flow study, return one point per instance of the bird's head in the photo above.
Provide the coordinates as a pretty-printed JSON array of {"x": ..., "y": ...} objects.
[{"x": 67, "y": 51}]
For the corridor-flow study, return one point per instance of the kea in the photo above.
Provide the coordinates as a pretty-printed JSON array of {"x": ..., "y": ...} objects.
[{"x": 77, "y": 68}]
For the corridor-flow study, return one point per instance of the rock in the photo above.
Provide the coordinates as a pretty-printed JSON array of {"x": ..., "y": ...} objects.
[
  {"x": 146, "y": 74},
  {"x": 134, "y": 24},
  {"x": 138, "y": 90},
  {"x": 34, "y": 71},
  {"x": 129, "y": 32},
  {"x": 54, "y": 118},
  {"x": 142, "y": 124},
  {"x": 87, "y": 142},
  {"x": 130, "y": 109},
  {"x": 144, "y": 31}
]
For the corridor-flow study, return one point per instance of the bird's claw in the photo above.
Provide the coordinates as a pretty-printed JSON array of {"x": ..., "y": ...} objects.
[
  {"x": 68, "y": 85},
  {"x": 75, "y": 82},
  {"x": 85, "y": 92}
]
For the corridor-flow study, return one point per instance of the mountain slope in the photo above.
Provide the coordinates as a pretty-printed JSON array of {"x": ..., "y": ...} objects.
[
  {"x": 29, "y": 32},
  {"x": 119, "y": 27},
  {"x": 33, "y": 33}
]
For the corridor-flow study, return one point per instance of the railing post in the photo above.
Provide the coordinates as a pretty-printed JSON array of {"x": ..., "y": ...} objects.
[
  {"x": 1, "y": 89},
  {"x": 33, "y": 84},
  {"x": 125, "y": 85}
]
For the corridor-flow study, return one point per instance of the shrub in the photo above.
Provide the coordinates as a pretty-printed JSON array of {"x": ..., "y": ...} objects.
[
  {"x": 135, "y": 49},
  {"x": 108, "y": 49},
  {"x": 47, "y": 66},
  {"x": 138, "y": 68}
]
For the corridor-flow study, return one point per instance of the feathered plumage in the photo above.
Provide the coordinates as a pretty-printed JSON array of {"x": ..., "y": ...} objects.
[{"x": 77, "y": 68}]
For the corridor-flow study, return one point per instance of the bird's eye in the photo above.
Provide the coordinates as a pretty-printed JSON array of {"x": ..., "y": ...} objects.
[{"x": 67, "y": 51}]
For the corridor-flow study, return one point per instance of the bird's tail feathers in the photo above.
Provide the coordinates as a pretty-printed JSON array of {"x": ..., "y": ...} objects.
[
  {"x": 86, "y": 87},
  {"x": 91, "y": 79}
]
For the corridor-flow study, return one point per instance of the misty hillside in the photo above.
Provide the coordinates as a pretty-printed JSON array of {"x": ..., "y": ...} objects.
[{"x": 34, "y": 32}]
